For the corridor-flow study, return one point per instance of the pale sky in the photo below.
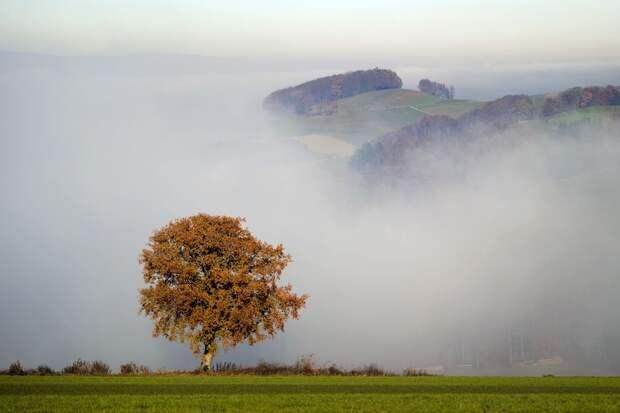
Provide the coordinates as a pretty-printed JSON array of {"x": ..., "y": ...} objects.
[{"x": 437, "y": 30}]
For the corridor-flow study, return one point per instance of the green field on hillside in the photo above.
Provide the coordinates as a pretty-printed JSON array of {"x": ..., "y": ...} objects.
[
  {"x": 594, "y": 115},
  {"x": 308, "y": 394},
  {"x": 363, "y": 117},
  {"x": 599, "y": 117}
]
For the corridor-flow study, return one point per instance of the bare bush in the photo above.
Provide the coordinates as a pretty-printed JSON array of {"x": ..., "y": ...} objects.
[
  {"x": 16, "y": 369},
  {"x": 264, "y": 368},
  {"x": 45, "y": 370},
  {"x": 369, "y": 370},
  {"x": 132, "y": 368},
  {"x": 99, "y": 368},
  {"x": 306, "y": 364},
  {"x": 78, "y": 367},
  {"x": 416, "y": 372},
  {"x": 333, "y": 370},
  {"x": 226, "y": 367},
  {"x": 87, "y": 368}
]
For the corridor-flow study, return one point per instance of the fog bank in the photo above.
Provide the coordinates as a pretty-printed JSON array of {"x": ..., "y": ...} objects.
[{"x": 503, "y": 234}]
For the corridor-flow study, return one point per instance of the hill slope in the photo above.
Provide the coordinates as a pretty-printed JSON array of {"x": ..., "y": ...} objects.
[
  {"x": 366, "y": 116},
  {"x": 510, "y": 116}
]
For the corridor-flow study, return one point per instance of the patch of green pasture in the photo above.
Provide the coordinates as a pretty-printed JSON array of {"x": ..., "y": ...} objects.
[{"x": 594, "y": 114}]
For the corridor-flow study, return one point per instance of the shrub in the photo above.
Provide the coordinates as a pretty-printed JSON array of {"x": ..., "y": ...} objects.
[
  {"x": 16, "y": 369},
  {"x": 306, "y": 364},
  {"x": 128, "y": 368},
  {"x": 99, "y": 368},
  {"x": 78, "y": 367},
  {"x": 226, "y": 367},
  {"x": 83, "y": 368},
  {"x": 369, "y": 370},
  {"x": 133, "y": 368},
  {"x": 142, "y": 369},
  {"x": 332, "y": 370},
  {"x": 416, "y": 372},
  {"x": 44, "y": 370},
  {"x": 264, "y": 368}
]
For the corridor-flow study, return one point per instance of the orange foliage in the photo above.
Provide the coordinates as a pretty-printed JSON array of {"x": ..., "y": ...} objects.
[{"x": 210, "y": 282}]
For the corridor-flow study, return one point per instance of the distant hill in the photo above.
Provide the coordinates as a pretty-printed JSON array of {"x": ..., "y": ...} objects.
[
  {"x": 312, "y": 109},
  {"x": 386, "y": 124},
  {"x": 303, "y": 98},
  {"x": 569, "y": 109}
]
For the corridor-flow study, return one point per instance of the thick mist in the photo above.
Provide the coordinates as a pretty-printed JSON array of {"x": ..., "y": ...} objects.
[{"x": 93, "y": 158}]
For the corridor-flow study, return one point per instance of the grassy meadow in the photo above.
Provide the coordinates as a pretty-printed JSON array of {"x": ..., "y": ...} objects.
[{"x": 307, "y": 394}]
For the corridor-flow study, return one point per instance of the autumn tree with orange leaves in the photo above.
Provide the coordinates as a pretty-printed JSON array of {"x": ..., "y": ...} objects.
[{"x": 212, "y": 284}]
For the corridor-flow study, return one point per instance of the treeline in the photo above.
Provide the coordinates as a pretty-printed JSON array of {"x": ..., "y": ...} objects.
[
  {"x": 578, "y": 98},
  {"x": 305, "y": 365}
]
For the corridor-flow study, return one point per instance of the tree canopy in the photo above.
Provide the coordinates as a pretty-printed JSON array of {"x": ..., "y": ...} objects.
[
  {"x": 211, "y": 283},
  {"x": 436, "y": 89}
]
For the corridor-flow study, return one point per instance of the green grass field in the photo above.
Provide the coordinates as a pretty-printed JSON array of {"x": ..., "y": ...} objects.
[{"x": 308, "y": 394}]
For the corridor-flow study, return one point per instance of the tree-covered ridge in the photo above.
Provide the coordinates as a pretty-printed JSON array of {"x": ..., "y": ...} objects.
[
  {"x": 301, "y": 99},
  {"x": 389, "y": 153}
]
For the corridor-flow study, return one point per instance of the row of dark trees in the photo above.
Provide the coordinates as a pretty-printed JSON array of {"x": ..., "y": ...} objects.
[{"x": 436, "y": 89}]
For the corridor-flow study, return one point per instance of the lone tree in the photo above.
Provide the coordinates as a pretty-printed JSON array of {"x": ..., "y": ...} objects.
[{"x": 211, "y": 283}]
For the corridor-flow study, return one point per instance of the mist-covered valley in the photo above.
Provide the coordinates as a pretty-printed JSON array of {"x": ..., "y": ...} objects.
[{"x": 494, "y": 241}]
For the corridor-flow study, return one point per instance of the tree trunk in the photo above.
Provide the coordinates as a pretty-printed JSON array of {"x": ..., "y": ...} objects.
[{"x": 207, "y": 358}]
